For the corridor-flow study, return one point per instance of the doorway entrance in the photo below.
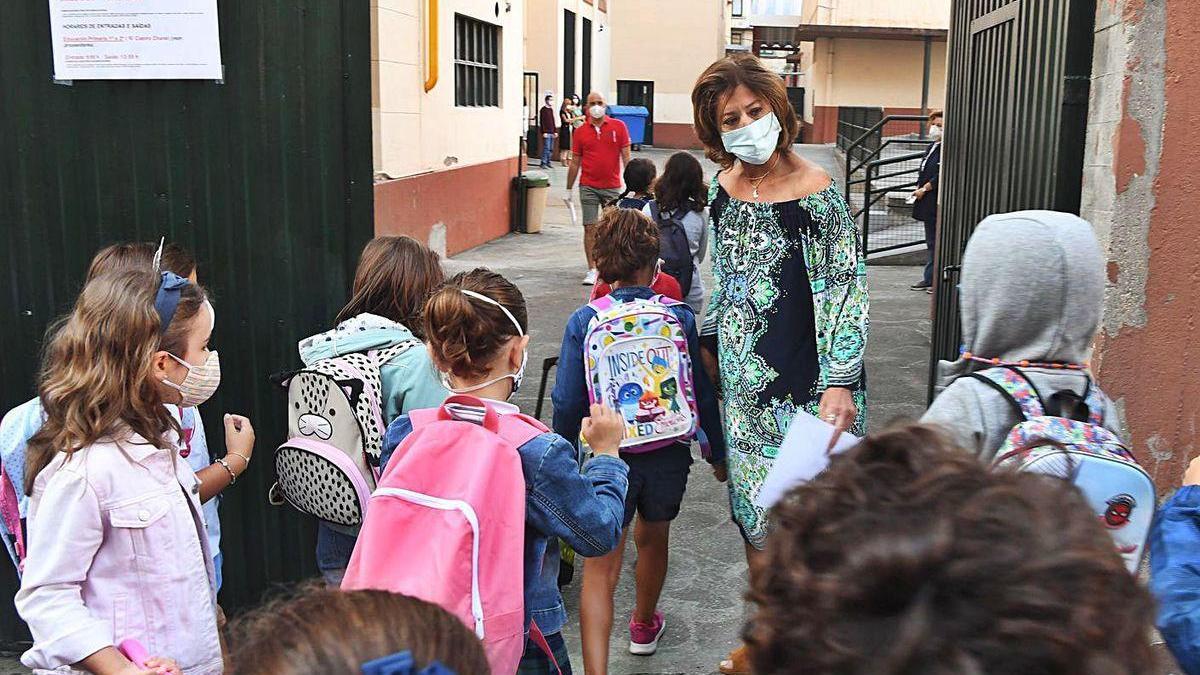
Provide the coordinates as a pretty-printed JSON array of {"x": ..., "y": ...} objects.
[{"x": 639, "y": 92}]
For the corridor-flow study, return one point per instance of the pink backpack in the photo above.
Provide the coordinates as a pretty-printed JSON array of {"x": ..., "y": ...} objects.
[{"x": 447, "y": 522}]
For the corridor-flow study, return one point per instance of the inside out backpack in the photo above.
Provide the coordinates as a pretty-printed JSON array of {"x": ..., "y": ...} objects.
[
  {"x": 1064, "y": 436},
  {"x": 637, "y": 363},
  {"x": 329, "y": 464}
]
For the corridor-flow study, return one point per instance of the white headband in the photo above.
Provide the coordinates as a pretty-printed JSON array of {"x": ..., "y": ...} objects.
[{"x": 479, "y": 296}]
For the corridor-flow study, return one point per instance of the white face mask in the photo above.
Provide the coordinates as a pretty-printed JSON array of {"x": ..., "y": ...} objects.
[
  {"x": 516, "y": 377},
  {"x": 755, "y": 142},
  {"x": 597, "y": 111},
  {"x": 200, "y": 383},
  {"x": 935, "y": 132}
]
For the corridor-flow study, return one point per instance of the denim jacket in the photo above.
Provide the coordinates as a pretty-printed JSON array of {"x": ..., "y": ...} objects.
[
  {"x": 570, "y": 386},
  {"x": 583, "y": 509},
  {"x": 1175, "y": 575}
]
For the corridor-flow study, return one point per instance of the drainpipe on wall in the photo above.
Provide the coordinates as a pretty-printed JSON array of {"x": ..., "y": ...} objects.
[
  {"x": 925, "y": 82},
  {"x": 431, "y": 44}
]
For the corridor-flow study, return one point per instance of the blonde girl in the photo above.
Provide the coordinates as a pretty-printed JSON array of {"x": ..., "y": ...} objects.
[{"x": 117, "y": 543}]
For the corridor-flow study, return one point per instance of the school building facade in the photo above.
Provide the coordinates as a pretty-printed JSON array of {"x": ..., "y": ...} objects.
[
  {"x": 849, "y": 54},
  {"x": 446, "y": 109}
]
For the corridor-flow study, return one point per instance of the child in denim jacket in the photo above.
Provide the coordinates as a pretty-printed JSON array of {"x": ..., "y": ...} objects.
[
  {"x": 476, "y": 328},
  {"x": 627, "y": 255}
]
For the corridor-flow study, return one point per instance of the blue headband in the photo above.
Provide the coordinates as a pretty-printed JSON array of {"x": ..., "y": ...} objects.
[
  {"x": 402, "y": 663},
  {"x": 167, "y": 300}
]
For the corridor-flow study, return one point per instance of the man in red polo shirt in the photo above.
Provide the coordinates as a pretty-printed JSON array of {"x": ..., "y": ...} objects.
[{"x": 600, "y": 149}]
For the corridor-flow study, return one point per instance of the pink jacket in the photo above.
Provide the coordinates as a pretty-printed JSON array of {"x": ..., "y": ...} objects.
[{"x": 117, "y": 550}]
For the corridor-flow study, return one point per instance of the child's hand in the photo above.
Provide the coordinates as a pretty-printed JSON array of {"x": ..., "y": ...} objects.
[
  {"x": 163, "y": 666},
  {"x": 239, "y": 436},
  {"x": 721, "y": 472},
  {"x": 1192, "y": 477},
  {"x": 604, "y": 430}
]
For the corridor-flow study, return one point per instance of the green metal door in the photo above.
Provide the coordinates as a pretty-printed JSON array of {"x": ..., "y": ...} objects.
[
  {"x": 266, "y": 177},
  {"x": 1016, "y": 115}
]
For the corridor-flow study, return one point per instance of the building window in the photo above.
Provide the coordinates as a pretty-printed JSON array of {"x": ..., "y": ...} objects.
[
  {"x": 476, "y": 63},
  {"x": 738, "y": 10}
]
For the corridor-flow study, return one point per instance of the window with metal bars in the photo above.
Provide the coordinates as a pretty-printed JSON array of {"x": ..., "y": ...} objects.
[{"x": 476, "y": 63}]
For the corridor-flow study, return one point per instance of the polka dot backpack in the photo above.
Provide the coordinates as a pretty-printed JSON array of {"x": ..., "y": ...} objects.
[{"x": 329, "y": 464}]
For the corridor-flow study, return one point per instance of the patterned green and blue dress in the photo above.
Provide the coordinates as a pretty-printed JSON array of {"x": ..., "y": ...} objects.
[{"x": 789, "y": 315}]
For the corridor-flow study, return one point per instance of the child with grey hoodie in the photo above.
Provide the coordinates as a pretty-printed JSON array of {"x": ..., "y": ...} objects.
[{"x": 1030, "y": 294}]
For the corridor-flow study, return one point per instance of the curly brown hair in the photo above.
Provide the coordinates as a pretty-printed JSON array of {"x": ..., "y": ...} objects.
[
  {"x": 465, "y": 334},
  {"x": 910, "y": 556},
  {"x": 721, "y": 78},
  {"x": 320, "y": 630},
  {"x": 626, "y": 244}
]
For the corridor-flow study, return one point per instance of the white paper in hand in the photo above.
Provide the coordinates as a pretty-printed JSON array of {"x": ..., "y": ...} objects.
[{"x": 801, "y": 457}]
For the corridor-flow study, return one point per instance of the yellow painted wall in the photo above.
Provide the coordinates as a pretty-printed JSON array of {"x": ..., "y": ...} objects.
[
  {"x": 668, "y": 42},
  {"x": 885, "y": 73},
  {"x": 417, "y": 132},
  {"x": 895, "y": 13}
]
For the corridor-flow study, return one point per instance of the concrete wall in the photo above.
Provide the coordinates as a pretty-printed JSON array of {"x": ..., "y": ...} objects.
[
  {"x": 1139, "y": 186},
  {"x": 431, "y": 151},
  {"x": 668, "y": 42},
  {"x": 875, "y": 73},
  {"x": 543, "y": 53},
  {"x": 894, "y": 13}
]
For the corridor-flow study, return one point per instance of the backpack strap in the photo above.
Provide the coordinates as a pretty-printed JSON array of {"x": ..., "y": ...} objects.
[
  {"x": 11, "y": 514},
  {"x": 669, "y": 302},
  {"x": 517, "y": 428},
  {"x": 1096, "y": 401},
  {"x": 539, "y": 639},
  {"x": 1016, "y": 388},
  {"x": 655, "y": 213},
  {"x": 602, "y": 304}
]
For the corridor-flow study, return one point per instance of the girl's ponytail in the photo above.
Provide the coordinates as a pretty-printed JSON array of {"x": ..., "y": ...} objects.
[{"x": 465, "y": 334}]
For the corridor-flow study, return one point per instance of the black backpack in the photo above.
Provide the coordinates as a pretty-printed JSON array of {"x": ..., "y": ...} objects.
[{"x": 673, "y": 247}]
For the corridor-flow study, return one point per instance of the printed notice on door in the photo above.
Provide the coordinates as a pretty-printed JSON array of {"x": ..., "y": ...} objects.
[{"x": 135, "y": 39}]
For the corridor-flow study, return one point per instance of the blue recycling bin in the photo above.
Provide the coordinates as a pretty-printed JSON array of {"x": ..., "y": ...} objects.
[{"x": 634, "y": 117}]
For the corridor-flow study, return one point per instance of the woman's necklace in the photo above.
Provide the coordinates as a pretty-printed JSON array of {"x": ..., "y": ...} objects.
[{"x": 755, "y": 182}]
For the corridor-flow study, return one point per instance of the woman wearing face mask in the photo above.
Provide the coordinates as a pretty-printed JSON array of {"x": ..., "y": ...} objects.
[
  {"x": 787, "y": 322},
  {"x": 477, "y": 330},
  {"x": 117, "y": 543}
]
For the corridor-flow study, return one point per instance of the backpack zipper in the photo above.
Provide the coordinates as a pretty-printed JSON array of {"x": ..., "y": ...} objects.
[{"x": 469, "y": 513}]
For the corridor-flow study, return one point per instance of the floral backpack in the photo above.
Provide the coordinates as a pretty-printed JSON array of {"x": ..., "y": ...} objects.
[
  {"x": 637, "y": 363},
  {"x": 1064, "y": 436}
]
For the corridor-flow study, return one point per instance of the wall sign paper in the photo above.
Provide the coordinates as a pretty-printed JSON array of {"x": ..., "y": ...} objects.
[{"x": 135, "y": 40}]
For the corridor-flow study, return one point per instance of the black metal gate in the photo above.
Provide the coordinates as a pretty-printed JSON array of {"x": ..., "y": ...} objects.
[
  {"x": 1016, "y": 117},
  {"x": 266, "y": 177}
]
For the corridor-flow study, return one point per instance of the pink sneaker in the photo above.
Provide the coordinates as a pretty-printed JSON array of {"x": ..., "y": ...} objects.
[{"x": 643, "y": 637}]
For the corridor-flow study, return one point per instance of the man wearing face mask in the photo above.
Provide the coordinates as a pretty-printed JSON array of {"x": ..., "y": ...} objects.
[
  {"x": 599, "y": 153},
  {"x": 926, "y": 195}
]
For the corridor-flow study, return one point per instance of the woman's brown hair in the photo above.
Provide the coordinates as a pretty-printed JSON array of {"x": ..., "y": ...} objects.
[
  {"x": 908, "y": 555},
  {"x": 681, "y": 185},
  {"x": 140, "y": 255},
  {"x": 626, "y": 243},
  {"x": 394, "y": 278},
  {"x": 332, "y": 631},
  {"x": 96, "y": 380},
  {"x": 465, "y": 334},
  {"x": 720, "y": 79}
]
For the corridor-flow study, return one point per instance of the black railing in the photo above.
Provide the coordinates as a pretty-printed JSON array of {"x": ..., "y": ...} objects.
[
  {"x": 881, "y": 170},
  {"x": 853, "y": 122}
]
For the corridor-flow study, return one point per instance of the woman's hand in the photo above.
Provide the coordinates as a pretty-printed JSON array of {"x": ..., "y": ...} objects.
[
  {"x": 721, "y": 472},
  {"x": 837, "y": 408},
  {"x": 604, "y": 430},
  {"x": 239, "y": 437}
]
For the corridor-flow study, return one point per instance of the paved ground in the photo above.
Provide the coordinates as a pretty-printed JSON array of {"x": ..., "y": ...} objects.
[{"x": 705, "y": 586}]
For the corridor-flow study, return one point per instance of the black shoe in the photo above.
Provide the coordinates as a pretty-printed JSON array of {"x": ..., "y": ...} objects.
[{"x": 920, "y": 286}]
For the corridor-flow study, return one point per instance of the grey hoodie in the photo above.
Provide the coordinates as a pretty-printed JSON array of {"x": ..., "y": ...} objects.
[{"x": 1032, "y": 287}]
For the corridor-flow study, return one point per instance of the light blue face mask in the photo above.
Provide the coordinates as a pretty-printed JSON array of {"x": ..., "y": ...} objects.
[{"x": 755, "y": 142}]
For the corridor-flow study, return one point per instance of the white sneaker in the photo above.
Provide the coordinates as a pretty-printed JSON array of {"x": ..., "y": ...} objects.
[{"x": 590, "y": 279}]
